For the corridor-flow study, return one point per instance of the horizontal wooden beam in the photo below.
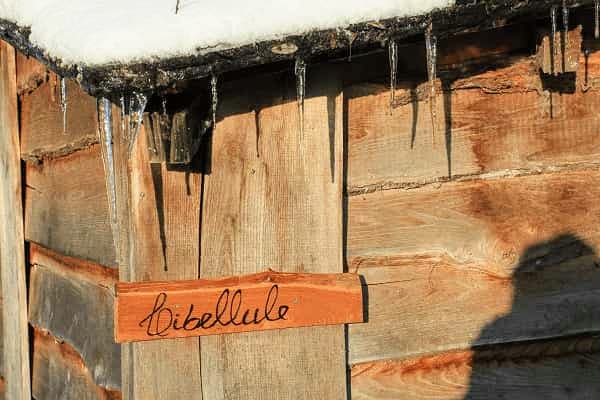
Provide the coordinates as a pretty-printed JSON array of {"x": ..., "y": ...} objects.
[
  {"x": 69, "y": 194},
  {"x": 546, "y": 369},
  {"x": 267, "y": 300}
]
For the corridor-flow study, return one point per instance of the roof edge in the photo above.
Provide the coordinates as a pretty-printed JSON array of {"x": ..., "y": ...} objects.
[{"x": 314, "y": 46}]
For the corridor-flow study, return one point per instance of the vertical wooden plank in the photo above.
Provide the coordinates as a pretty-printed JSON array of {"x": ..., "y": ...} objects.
[
  {"x": 2, "y": 385},
  {"x": 12, "y": 242},
  {"x": 273, "y": 198},
  {"x": 159, "y": 215}
]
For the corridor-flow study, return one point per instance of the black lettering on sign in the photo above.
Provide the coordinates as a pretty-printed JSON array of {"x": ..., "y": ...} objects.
[{"x": 228, "y": 310}]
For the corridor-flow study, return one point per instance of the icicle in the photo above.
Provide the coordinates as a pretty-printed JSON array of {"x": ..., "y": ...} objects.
[
  {"x": 350, "y": 36},
  {"x": 63, "y": 102},
  {"x": 553, "y": 38},
  {"x": 137, "y": 106},
  {"x": 565, "y": 18},
  {"x": 393, "y": 56},
  {"x": 565, "y": 11},
  {"x": 586, "y": 86},
  {"x": 300, "y": 71},
  {"x": 106, "y": 145},
  {"x": 214, "y": 98},
  {"x": 123, "y": 115},
  {"x": 553, "y": 21},
  {"x": 597, "y": 19},
  {"x": 431, "y": 50}
]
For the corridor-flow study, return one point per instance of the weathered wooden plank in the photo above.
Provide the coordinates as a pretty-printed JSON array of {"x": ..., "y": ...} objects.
[
  {"x": 431, "y": 305},
  {"x": 2, "y": 384},
  {"x": 273, "y": 198},
  {"x": 263, "y": 301},
  {"x": 12, "y": 251},
  {"x": 42, "y": 132},
  {"x": 558, "y": 369},
  {"x": 30, "y": 73},
  {"x": 101, "y": 275},
  {"x": 158, "y": 213},
  {"x": 74, "y": 301},
  {"x": 56, "y": 363},
  {"x": 66, "y": 207},
  {"x": 490, "y": 222},
  {"x": 487, "y": 123},
  {"x": 442, "y": 263}
]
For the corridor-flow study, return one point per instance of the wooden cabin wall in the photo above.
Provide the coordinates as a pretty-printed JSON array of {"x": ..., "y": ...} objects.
[
  {"x": 477, "y": 243},
  {"x": 71, "y": 252}
]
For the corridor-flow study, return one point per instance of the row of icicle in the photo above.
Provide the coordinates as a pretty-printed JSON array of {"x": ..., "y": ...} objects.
[
  {"x": 431, "y": 55},
  {"x": 132, "y": 108}
]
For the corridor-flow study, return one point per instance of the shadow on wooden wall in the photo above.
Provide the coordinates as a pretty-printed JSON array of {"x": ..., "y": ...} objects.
[{"x": 565, "y": 368}]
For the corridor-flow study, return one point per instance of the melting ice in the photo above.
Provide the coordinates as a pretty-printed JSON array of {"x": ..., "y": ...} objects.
[
  {"x": 63, "y": 102},
  {"x": 431, "y": 50},
  {"x": 300, "y": 71},
  {"x": 214, "y": 98},
  {"x": 106, "y": 145},
  {"x": 393, "y": 56},
  {"x": 137, "y": 106}
]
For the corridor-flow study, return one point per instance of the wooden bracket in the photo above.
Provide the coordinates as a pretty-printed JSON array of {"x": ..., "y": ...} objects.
[
  {"x": 558, "y": 56},
  {"x": 174, "y": 139}
]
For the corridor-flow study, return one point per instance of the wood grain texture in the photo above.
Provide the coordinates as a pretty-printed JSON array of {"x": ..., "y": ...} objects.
[
  {"x": 488, "y": 222},
  {"x": 263, "y": 301},
  {"x": 495, "y": 122},
  {"x": 76, "y": 306},
  {"x": 158, "y": 213},
  {"x": 557, "y": 369},
  {"x": 273, "y": 198},
  {"x": 12, "y": 250},
  {"x": 30, "y": 73},
  {"x": 42, "y": 134},
  {"x": 60, "y": 373},
  {"x": 2, "y": 384},
  {"x": 66, "y": 208},
  {"x": 444, "y": 263}
]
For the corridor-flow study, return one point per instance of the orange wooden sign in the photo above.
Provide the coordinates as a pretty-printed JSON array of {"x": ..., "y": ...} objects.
[{"x": 268, "y": 300}]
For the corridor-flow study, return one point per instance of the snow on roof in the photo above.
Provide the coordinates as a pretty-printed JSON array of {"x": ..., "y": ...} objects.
[{"x": 99, "y": 32}]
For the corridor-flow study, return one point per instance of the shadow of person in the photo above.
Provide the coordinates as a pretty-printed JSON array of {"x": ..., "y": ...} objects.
[{"x": 556, "y": 295}]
